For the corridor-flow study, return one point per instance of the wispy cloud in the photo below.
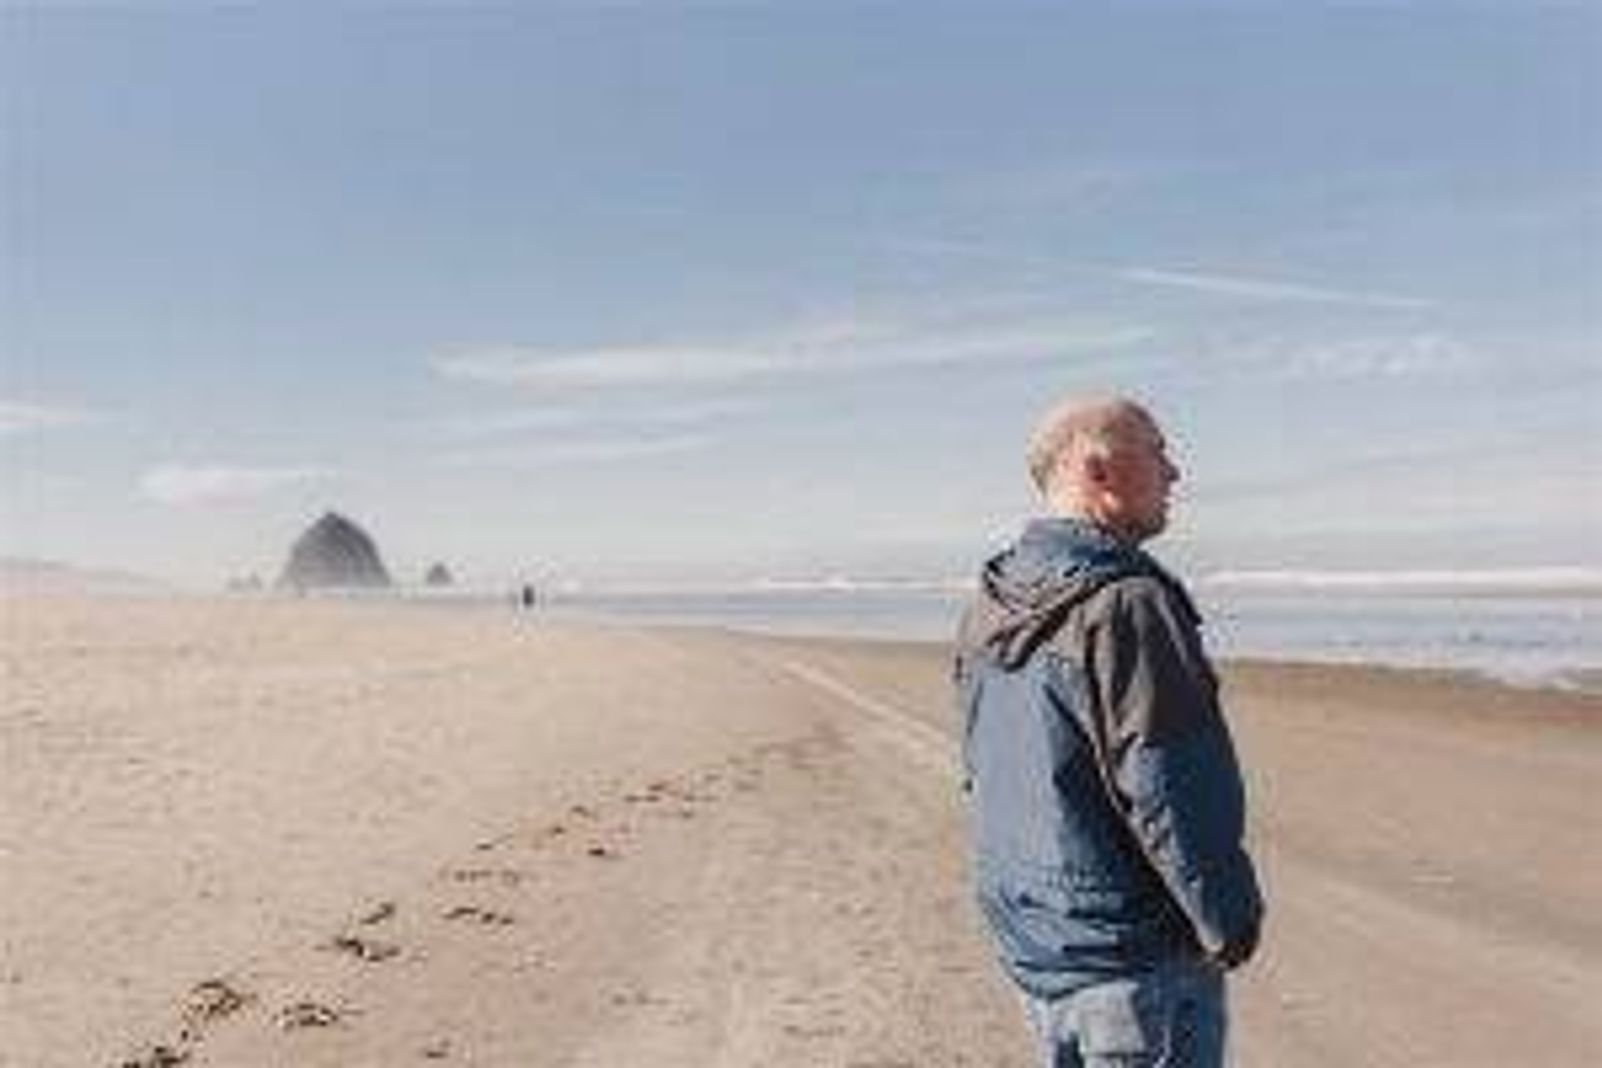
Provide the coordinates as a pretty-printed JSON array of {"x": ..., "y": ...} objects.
[
  {"x": 1375, "y": 357},
  {"x": 22, "y": 417},
  {"x": 835, "y": 347},
  {"x": 603, "y": 367},
  {"x": 1392, "y": 357},
  {"x": 197, "y": 485},
  {"x": 1239, "y": 287},
  {"x": 1265, "y": 289},
  {"x": 575, "y": 451},
  {"x": 547, "y": 419}
]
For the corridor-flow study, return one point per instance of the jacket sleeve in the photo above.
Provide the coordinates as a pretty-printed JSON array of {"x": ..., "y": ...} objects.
[{"x": 1170, "y": 762}]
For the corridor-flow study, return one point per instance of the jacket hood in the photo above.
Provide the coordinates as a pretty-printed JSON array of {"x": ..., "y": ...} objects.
[{"x": 1026, "y": 591}]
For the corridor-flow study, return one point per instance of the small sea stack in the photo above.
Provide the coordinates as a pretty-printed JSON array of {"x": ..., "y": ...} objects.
[
  {"x": 439, "y": 575},
  {"x": 334, "y": 553}
]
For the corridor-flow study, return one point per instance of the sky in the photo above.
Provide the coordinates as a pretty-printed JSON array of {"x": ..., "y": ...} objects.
[{"x": 662, "y": 291}]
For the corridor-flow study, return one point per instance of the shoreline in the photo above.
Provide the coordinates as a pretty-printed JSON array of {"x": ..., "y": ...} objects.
[
  {"x": 1579, "y": 680},
  {"x": 1582, "y": 678},
  {"x": 1584, "y": 683}
]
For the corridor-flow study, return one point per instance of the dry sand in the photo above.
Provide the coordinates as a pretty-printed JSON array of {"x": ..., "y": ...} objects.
[{"x": 275, "y": 833}]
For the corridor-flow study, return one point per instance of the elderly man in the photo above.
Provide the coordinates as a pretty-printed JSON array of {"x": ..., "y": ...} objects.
[{"x": 1107, "y": 803}]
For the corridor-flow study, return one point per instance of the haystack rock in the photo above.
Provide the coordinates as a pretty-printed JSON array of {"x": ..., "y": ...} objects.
[
  {"x": 334, "y": 552},
  {"x": 439, "y": 575}
]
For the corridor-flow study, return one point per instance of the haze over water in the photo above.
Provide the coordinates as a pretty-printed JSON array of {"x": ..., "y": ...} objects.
[{"x": 1525, "y": 636}]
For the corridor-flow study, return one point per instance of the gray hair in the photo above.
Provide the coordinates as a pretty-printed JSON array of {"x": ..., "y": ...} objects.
[{"x": 1090, "y": 425}]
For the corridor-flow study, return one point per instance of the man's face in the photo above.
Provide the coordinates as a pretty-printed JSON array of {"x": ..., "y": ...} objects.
[{"x": 1136, "y": 479}]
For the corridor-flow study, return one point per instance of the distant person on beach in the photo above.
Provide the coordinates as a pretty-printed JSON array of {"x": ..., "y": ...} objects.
[{"x": 1107, "y": 804}]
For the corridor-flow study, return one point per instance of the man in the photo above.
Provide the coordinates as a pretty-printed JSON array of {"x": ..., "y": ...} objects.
[{"x": 1107, "y": 802}]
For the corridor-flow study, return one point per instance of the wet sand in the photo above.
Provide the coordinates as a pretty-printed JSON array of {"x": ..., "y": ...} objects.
[{"x": 276, "y": 833}]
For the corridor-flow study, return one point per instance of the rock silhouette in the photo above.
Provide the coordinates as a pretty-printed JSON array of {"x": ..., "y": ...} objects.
[
  {"x": 333, "y": 552},
  {"x": 439, "y": 575}
]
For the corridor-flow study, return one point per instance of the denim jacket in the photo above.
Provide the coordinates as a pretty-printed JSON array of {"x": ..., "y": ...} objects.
[{"x": 1107, "y": 804}]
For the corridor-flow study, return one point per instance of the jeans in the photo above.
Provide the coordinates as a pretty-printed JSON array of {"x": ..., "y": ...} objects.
[{"x": 1170, "y": 1017}]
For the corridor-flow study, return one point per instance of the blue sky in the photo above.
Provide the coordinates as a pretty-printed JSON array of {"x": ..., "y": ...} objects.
[{"x": 659, "y": 291}]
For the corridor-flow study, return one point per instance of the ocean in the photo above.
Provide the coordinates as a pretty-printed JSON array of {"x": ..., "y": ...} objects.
[{"x": 1549, "y": 638}]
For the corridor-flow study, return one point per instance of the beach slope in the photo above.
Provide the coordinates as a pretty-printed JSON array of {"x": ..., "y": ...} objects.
[{"x": 267, "y": 832}]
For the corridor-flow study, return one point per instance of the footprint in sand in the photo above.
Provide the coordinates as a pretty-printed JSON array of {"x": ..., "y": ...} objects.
[
  {"x": 213, "y": 1000},
  {"x": 380, "y": 912},
  {"x": 508, "y": 877},
  {"x": 303, "y": 1014},
  {"x": 369, "y": 950},
  {"x": 487, "y": 917},
  {"x": 156, "y": 1057},
  {"x": 205, "y": 1004}
]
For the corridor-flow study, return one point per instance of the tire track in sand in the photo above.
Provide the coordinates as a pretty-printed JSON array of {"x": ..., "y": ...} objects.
[{"x": 925, "y": 745}]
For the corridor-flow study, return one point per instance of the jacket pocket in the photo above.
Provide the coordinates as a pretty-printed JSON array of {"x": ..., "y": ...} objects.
[{"x": 1058, "y": 913}]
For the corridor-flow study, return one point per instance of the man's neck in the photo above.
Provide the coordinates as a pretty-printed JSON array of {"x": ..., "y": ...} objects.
[{"x": 1079, "y": 514}]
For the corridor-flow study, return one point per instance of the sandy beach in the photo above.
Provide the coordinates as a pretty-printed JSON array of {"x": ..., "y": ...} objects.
[{"x": 261, "y": 832}]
